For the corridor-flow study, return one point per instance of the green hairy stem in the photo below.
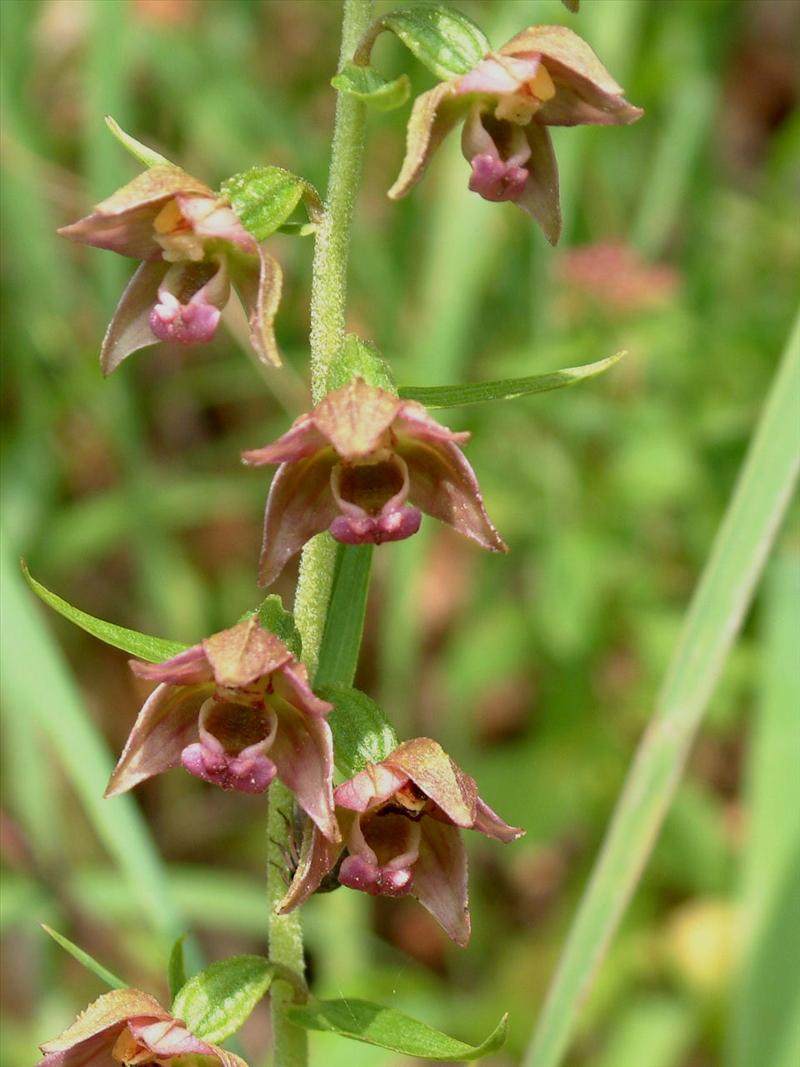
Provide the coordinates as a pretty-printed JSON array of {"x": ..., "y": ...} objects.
[{"x": 328, "y": 303}]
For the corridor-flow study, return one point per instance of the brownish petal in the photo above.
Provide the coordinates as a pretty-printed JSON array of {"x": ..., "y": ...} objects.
[
  {"x": 370, "y": 788},
  {"x": 101, "y": 1020},
  {"x": 540, "y": 197},
  {"x": 355, "y": 418},
  {"x": 488, "y": 822},
  {"x": 318, "y": 856},
  {"x": 303, "y": 755},
  {"x": 443, "y": 485},
  {"x": 243, "y": 653},
  {"x": 129, "y": 329},
  {"x": 303, "y": 439},
  {"x": 291, "y": 683},
  {"x": 431, "y": 770},
  {"x": 187, "y": 668},
  {"x": 413, "y": 420},
  {"x": 164, "y": 727},
  {"x": 585, "y": 91},
  {"x": 259, "y": 284},
  {"x": 300, "y": 504},
  {"x": 433, "y": 116},
  {"x": 440, "y": 878}
]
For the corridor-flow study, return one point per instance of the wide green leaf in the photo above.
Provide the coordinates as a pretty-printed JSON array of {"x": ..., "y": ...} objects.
[
  {"x": 449, "y": 396},
  {"x": 361, "y": 732},
  {"x": 344, "y": 625},
  {"x": 365, "y": 83},
  {"x": 447, "y": 42},
  {"x": 218, "y": 1000},
  {"x": 388, "y": 1028},
  {"x": 715, "y": 614},
  {"x": 265, "y": 197},
  {"x": 89, "y": 962},
  {"x": 139, "y": 151},
  {"x": 144, "y": 646}
]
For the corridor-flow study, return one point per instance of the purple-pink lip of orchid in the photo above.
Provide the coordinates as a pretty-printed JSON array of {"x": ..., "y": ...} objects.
[
  {"x": 496, "y": 180},
  {"x": 364, "y": 465},
  {"x": 237, "y": 711}
]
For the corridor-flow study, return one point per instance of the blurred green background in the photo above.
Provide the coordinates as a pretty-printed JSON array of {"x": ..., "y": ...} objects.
[{"x": 538, "y": 670}]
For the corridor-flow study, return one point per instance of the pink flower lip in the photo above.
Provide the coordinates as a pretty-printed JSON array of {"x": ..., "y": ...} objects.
[
  {"x": 496, "y": 180},
  {"x": 394, "y": 525},
  {"x": 358, "y": 873},
  {"x": 233, "y": 757},
  {"x": 187, "y": 324}
]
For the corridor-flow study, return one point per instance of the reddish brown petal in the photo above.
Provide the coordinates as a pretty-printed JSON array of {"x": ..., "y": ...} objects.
[
  {"x": 291, "y": 683},
  {"x": 440, "y": 878},
  {"x": 165, "y": 726},
  {"x": 96, "y": 1028},
  {"x": 488, "y": 822},
  {"x": 129, "y": 329},
  {"x": 318, "y": 856},
  {"x": 434, "y": 114},
  {"x": 370, "y": 787},
  {"x": 539, "y": 197},
  {"x": 303, "y": 753},
  {"x": 243, "y": 653},
  {"x": 355, "y": 418},
  {"x": 303, "y": 439},
  {"x": 413, "y": 420},
  {"x": 431, "y": 769},
  {"x": 187, "y": 668},
  {"x": 443, "y": 485},
  {"x": 259, "y": 284},
  {"x": 300, "y": 504}
]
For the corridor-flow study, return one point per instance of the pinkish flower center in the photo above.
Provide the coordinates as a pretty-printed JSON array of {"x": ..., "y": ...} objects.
[
  {"x": 372, "y": 499},
  {"x": 175, "y": 233},
  {"x": 383, "y": 847},
  {"x": 190, "y": 299},
  {"x": 234, "y": 740}
]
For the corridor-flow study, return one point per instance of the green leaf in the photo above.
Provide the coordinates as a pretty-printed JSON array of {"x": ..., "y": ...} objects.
[
  {"x": 447, "y": 42},
  {"x": 145, "y": 646},
  {"x": 449, "y": 396},
  {"x": 176, "y": 967},
  {"x": 274, "y": 617},
  {"x": 218, "y": 1000},
  {"x": 344, "y": 624},
  {"x": 392, "y": 1029},
  {"x": 360, "y": 359},
  {"x": 140, "y": 151},
  {"x": 365, "y": 83},
  {"x": 715, "y": 615},
  {"x": 265, "y": 197},
  {"x": 361, "y": 732},
  {"x": 84, "y": 958}
]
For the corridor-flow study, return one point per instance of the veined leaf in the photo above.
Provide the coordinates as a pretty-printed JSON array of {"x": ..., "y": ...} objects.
[
  {"x": 218, "y": 1000},
  {"x": 361, "y": 732},
  {"x": 144, "y": 646},
  {"x": 447, "y": 42},
  {"x": 84, "y": 958},
  {"x": 365, "y": 83},
  {"x": 264, "y": 198},
  {"x": 374, "y": 1024},
  {"x": 139, "y": 151},
  {"x": 449, "y": 396}
]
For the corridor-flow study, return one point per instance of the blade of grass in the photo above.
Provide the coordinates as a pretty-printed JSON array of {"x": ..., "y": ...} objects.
[
  {"x": 765, "y": 1016},
  {"x": 715, "y": 614},
  {"x": 84, "y": 958},
  {"x": 344, "y": 625}
]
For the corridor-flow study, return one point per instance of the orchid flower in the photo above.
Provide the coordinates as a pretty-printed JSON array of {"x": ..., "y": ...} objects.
[
  {"x": 401, "y": 822},
  {"x": 235, "y": 710},
  {"x": 364, "y": 465}
]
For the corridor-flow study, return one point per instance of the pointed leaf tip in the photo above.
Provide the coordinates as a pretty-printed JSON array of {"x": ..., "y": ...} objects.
[{"x": 89, "y": 962}]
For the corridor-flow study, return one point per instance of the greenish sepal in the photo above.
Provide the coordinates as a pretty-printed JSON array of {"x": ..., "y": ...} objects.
[
  {"x": 89, "y": 962},
  {"x": 139, "y": 151}
]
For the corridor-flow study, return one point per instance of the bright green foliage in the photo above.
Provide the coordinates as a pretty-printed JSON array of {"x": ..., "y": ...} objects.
[
  {"x": 361, "y": 732},
  {"x": 365, "y": 83},
  {"x": 85, "y": 959},
  {"x": 265, "y": 197},
  {"x": 218, "y": 1000},
  {"x": 392, "y": 1029},
  {"x": 442, "y": 38}
]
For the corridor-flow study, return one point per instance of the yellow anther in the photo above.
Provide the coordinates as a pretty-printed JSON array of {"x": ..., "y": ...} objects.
[
  {"x": 169, "y": 218},
  {"x": 541, "y": 84}
]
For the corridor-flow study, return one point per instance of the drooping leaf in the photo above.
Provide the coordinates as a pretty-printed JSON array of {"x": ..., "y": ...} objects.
[
  {"x": 365, "y": 83},
  {"x": 361, "y": 359},
  {"x": 140, "y": 151},
  {"x": 445, "y": 40},
  {"x": 265, "y": 197},
  {"x": 144, "y": 646},
  {"x": 344, "y": 624},
  {"x": 361, "y": 732},
  {"x": 176, "y": 967},
  {"x": 374, "y": 1024},
  {"x": 274, "y": 617},
  {"x": 85, "y": 959},
  {"x": 218, "y": 1000},
  {"x": 448, "y": 396}
]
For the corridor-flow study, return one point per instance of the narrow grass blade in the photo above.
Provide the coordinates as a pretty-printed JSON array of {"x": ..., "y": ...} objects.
[
  {"x": 765, "y": 1013},
  {"x": 341, "y": 641},
  {"x": 85, "y": 959},
  {"x": 716, "y": 612},
  {"x": 449, "y": 396}
]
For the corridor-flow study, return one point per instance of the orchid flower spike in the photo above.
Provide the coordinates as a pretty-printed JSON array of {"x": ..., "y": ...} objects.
[
  {"x": 235, "y": 710},
  {"x": 401, "y": 821},
  {"x": 127, "y": 1026},
  {"x": 193, "y": 247},
  {"x": 545, "y": 76},
  {"x": 364, "y": 464}
]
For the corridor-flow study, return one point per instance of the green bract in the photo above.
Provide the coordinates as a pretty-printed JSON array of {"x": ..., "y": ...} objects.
[
  {"x": 447, "y": 42},
  {"x": 264, "y": 198},
  {"x": 361, "y": 359},
  {"x": 218, "y": 1000},
  {"x": 372, "y": 1023},
  {"x": 274, "y": 617},
  {"x": 361, "y": 732},
  {"x": 365, "y": 83}
]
